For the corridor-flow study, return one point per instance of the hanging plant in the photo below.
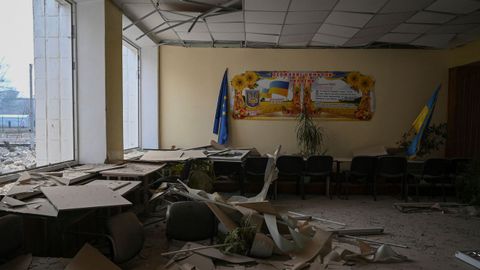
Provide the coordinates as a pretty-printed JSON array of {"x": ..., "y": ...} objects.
[{"x": 310, "y": 136}]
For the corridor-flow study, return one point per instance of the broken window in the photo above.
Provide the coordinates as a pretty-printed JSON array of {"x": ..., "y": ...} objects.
[{"x": 36, "y": 84}]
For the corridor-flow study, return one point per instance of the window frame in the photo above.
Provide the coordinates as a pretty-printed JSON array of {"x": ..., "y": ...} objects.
[
  {"x": 10, "y": 176},
  {"x": 139, "y": 77}
]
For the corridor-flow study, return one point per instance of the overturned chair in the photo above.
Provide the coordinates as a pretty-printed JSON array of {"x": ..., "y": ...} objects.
[{"x": 190, "y": 221}]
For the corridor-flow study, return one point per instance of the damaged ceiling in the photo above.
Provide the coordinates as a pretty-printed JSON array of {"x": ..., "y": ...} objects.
[{"x": 306, "y": 23}]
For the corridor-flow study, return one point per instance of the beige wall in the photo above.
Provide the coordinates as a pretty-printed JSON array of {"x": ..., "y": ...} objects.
[
  {"x": 190, "y": 79},
  {"x": 464, "y": 55},
  {"x": 113, "y": 81}
]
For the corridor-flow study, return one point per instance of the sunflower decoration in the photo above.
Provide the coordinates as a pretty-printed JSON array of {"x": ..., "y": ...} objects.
[
  {"x": 251, "y": 79},
  {"x": 239, "y": 82},
  {"x": 353, "y": 79},
  {"x": 365, "y": 83}
]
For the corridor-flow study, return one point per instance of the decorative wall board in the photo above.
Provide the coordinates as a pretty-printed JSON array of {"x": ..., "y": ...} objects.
[
  {"x": 81, "y": 197},
  {"x": 335, "y": 95}
]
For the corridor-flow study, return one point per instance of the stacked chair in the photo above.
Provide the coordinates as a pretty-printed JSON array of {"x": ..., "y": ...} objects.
[{"x": 362, "y": 170}]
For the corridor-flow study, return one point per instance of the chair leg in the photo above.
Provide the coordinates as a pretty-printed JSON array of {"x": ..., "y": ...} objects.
[
  {"x": 417, "y": 190},
  {"x": 443, "y": 193},
  {"x": 406, "y": 192},
  {"x": 302, "y": 188},
  {"x": 329, "y": 192},
  {"x": 374, "y": 188}
]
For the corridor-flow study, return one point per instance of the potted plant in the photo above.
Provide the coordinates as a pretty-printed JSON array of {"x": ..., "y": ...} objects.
[
  {"x": 434, "y": 136},
  {"x": 310, "y": 136}
]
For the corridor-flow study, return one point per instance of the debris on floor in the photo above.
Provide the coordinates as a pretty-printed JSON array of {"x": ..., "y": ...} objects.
[{"x": 257, "y": 235}]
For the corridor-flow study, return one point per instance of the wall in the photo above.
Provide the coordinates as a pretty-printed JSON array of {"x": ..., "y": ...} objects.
[
  {"x": 190, "y": 79},
  {"x": 464, "y": 55},
  {"x": 113, "y": 81},
  {"x": 92, "y": 138}
]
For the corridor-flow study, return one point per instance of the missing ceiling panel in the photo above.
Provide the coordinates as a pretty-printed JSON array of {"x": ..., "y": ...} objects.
[{"x": 194, "y": 5}]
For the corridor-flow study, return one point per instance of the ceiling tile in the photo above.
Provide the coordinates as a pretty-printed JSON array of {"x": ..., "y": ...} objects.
[
  {"x": 470, "y": 18},
  {"x": 374, "y": 32},
  {"x": 264, "y": 17},
  {"x": 195, "y": 36},
  {"x": 308, "y": 5},
  {"x": 262, "y": 38},
  {"x": 198, "y": 28},
  {"x": 297, "y": 29},
  {"x": 452, "y": 28},
  {"x": 169, "y": 34},
  {"x": 398, "y": 38},
  {"x": 228, "y": 17},
  {"x": 227, "y": 27},
  {"x": 457, "y": 6},
  {"x": 289, "y": 39},
  {"x": 229, "y": 36},
  {"x": 413, "y": 28},
  {"x": 348, "y": 19},
  {"x": 394, "y": 18},
  {"x": 434, "y": 40},
  {"x": 360, "y": 6},
  {"x": 336, "y": 30},
  {"x": 260, "y": 28},
  {"x": 306, "y": 17},
  {"x": 430, "y": 17},
  {"x": 325, "y": 39},
  {"x": 359, "y": 42},
  {"x": 266, "y": 5},
  {"x": 394, "y": 6},
  {"x": 295, "y": 44}
]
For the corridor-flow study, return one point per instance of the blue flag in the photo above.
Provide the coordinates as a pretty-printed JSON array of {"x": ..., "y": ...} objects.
[
  {"x": 421, "y": 122},
  {"x": 220, "y": 124}
]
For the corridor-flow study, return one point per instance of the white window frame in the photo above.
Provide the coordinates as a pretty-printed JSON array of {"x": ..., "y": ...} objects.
[
  {"x": 64, "y": 164},
  {"x": 139, "y": 82}
]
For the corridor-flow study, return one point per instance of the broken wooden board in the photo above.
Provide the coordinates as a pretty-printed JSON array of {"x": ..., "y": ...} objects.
[
  {"x": 120, "y": 186},
  {"x": 83, "y": 197},
  {"x": 199, "y": 262},
  {"x": 96, "y": 168},
  {"x": 12, "y": 202},
  {"x": 89, "y": 258},
  {"x": 133, "y": 170},
  {"x": 35, "y": 206},
  {"x": 21, "y": 262},
  {"x": 222, "y": 217},
  {"x": 261, "y": 207},
  {"x": 217, "y": 254},
  {"x": 321, "y": 244},
  {"x": 357, "y": 231},
  {"x": 163, "y": 156}
]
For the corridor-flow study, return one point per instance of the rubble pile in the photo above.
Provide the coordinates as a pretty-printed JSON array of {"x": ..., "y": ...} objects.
[{"x": 16, "y": 158}]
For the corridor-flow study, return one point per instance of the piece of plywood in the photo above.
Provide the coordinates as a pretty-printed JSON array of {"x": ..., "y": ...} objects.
[
  {"x": 120, "y": 186},
  {"x": 12, "y": 202},
  {"x": 217, "y": 254},
  {"x": 35, "y": 206},
  {"x": 133, "y": 170},
  {"x": 81, "y": 197},
  {"x": 163, "y": 156},
  {"x": 261, "y": 207},
  {"x": 89, "y": 258}
]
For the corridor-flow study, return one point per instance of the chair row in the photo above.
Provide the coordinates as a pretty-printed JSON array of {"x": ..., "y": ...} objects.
[{"x": 366, "y": 169}]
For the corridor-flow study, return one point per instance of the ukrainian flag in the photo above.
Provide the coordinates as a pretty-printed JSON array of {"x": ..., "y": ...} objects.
[
  {"x": 278, "y": 88},
  {"x": 220, "y": 124},
  {"x": 421, "y": 122}
]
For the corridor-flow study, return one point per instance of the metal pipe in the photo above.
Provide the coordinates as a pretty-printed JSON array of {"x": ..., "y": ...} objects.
[
  {"x": 151, "y": 30},
  {"x": 140, "y": 19}
]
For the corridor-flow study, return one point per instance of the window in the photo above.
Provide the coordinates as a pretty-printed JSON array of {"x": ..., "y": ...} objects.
[
  {"x": 131, "y": 90},
  {"x": 36, "y": 84}
]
